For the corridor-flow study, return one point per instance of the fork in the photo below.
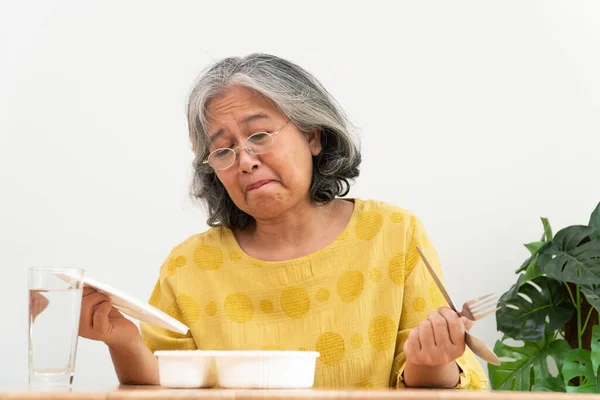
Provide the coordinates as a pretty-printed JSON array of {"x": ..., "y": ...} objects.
[
  {"x": 476, "y": 345},
  {"x": 480, "y": 307}
]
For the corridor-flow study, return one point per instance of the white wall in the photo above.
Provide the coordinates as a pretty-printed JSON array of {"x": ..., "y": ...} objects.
[{"x": 480, "y": 117}]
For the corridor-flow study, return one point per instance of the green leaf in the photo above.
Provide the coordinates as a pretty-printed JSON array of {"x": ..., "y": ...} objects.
[
  {"x": 578, "y": 364},
  {"x": 592, "y": 295},
  {"x": 595, "y": 220},
  {"x": 547, "y": 237},
  {"x": 534, "y": 247},
  {"x": 514, "y": 289},
  {"x": 525, "y": 264},
  {"x": 544, "y": 256},
  {"x": 522, "y": 319},
  {"x": 530, "y": 365},
  {"x": 532, "y": 271},
  {"x": 572, "y": 236},
  {"x": 567, "y": 260},
  {"x": 550, "y": 384},
  {"x": 596, "y": 348}
]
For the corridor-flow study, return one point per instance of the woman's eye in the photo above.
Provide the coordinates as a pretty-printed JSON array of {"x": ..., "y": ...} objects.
[
  {"x": 224, "y": 152},
  {"x": 259, "y": 137}
]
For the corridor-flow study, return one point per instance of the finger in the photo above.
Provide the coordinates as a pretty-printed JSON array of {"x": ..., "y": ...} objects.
[
  {"x": 114, "y": 313},
  {"x": 37, "y": 304},
  {"x": 88, "y": 304},
  {"x": 93, "y": 299},
  {"x": 467, "y": 323},
  {"x": 88, "y": 290},
  {"x": 100, "y": 321},
  {"x": 456, "y": 327},
  {"x": 441, "y": 334},
  {"x": 426, "y": 336},
  {"x": 412, "y": 346}
]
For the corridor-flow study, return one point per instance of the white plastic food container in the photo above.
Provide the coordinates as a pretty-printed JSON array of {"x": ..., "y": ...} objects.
[
  {"x": 186, "y": 368},
  {"x": 265, "y": 369}
]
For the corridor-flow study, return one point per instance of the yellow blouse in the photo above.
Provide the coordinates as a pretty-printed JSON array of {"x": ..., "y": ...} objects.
[{"x": 355, "y": 301}]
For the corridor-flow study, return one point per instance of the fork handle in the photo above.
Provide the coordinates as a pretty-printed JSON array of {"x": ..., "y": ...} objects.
[{"x": 481, "y": 349}]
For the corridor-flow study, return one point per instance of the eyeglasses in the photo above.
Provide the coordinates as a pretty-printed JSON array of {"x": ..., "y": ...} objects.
[{"x": 257, "y": 143}]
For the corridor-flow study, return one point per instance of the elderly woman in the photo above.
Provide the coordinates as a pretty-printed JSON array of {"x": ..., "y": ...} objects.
[{"x": 288, "y": 263}]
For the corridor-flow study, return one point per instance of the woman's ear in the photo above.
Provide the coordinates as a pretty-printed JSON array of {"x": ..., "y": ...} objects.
[{"x": 314, "y": 142}]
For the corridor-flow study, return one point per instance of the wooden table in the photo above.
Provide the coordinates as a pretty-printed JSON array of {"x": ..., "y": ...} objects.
[{"x": 159, "y": 393}]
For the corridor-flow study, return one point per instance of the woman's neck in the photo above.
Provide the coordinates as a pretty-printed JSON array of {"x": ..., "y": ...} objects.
[{"x": 299, "y": 231}]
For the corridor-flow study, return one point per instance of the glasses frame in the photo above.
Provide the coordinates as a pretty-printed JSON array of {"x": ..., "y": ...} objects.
[{"x": 235, "y": 150}]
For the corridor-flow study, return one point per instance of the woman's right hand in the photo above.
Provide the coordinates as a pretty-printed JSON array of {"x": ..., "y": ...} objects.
[{"x": 100, "y": 321}]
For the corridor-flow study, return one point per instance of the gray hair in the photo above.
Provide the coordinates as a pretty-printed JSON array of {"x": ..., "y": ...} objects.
[{"x": 306, "y": 104}]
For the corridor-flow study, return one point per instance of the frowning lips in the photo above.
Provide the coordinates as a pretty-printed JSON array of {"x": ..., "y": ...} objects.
[{"x": 258, "y": 184}]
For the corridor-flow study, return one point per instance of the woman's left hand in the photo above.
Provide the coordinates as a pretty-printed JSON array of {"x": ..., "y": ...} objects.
[{"x": 438, "y": 340}]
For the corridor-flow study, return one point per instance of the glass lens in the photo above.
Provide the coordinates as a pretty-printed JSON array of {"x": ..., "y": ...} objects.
[
  {"x": 259, "y": 143},
  {"x": 221, "y": 158}
]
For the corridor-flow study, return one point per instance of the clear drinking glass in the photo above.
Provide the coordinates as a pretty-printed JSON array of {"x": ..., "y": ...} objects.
[{"x": 54, "y": 307}]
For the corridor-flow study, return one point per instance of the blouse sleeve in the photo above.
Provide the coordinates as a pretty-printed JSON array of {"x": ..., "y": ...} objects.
[
  {"x": 164, "y": 298},
  {"x": 422, "y": 296}
]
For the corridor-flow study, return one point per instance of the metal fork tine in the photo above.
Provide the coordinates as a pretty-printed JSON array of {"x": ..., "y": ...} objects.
[
  {"x": 483, "y": 309},
  {"x": 487, "y": 299},
  {"x": 485, "y": 314},
  {"x": 478, "y": 299},
  {"x": 484, "y": 304}
]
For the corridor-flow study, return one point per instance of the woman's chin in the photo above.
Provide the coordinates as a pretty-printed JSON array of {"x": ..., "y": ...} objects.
[{"x": 261, "y": 205}]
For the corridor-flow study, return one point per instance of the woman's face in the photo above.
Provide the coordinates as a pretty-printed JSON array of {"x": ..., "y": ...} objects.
[{"x": 263, "y": 185}]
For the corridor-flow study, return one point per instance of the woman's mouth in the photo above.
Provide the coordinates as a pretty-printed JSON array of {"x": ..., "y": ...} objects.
[{"x": 258, "y": 184}]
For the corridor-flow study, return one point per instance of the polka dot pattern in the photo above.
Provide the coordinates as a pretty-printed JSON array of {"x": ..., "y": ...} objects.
[
  {"x": 413, "y": 257},
  {"x": 419, "y": 304},
  {"x": 344, "y": 301},
  {"x": 382, "y": 333},
  {"x": 474, "y": 380},
  {"x": 211, "y": 308},
  {"x": 368, "y": 224},
  {"x": 351, "y": 285},
  {"x": 267, "y": 306},
  {"x": 364, "y": 384},
  {"x": 437, "y": 299},
  {"x": 343, "y": 236},
  {"x": 208, "y": 257},
  {"x": 239, "y": 308},
  {"x": 413, "y": 223},
  {"x": 272, "y": 347},
  {"x": 295, "y": 302},
  {"x": 171, "y": 334},
  {"x": 156, "y": 295},
  {"x": 174, "y": 312},
  {"x": 332, "y": 348},
  {"x": 175, "y": 263},
  {"x": 396, "y": 269},
  {"x": 397, "y": 217},
  {"x": 189, "y": 309},
  {"x": 323, "y": 295},
  {"x": 235, "y": 255}
]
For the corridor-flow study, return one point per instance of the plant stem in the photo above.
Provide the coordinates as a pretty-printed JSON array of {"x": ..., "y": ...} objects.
[
  {"x": 579, "y": 333},
  {"x": 570, "y": 294},
  {"x": 587, "y": 319}
]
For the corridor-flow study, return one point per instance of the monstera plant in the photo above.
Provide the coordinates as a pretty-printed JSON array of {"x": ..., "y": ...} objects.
[{"x": 549, "y": 317}]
